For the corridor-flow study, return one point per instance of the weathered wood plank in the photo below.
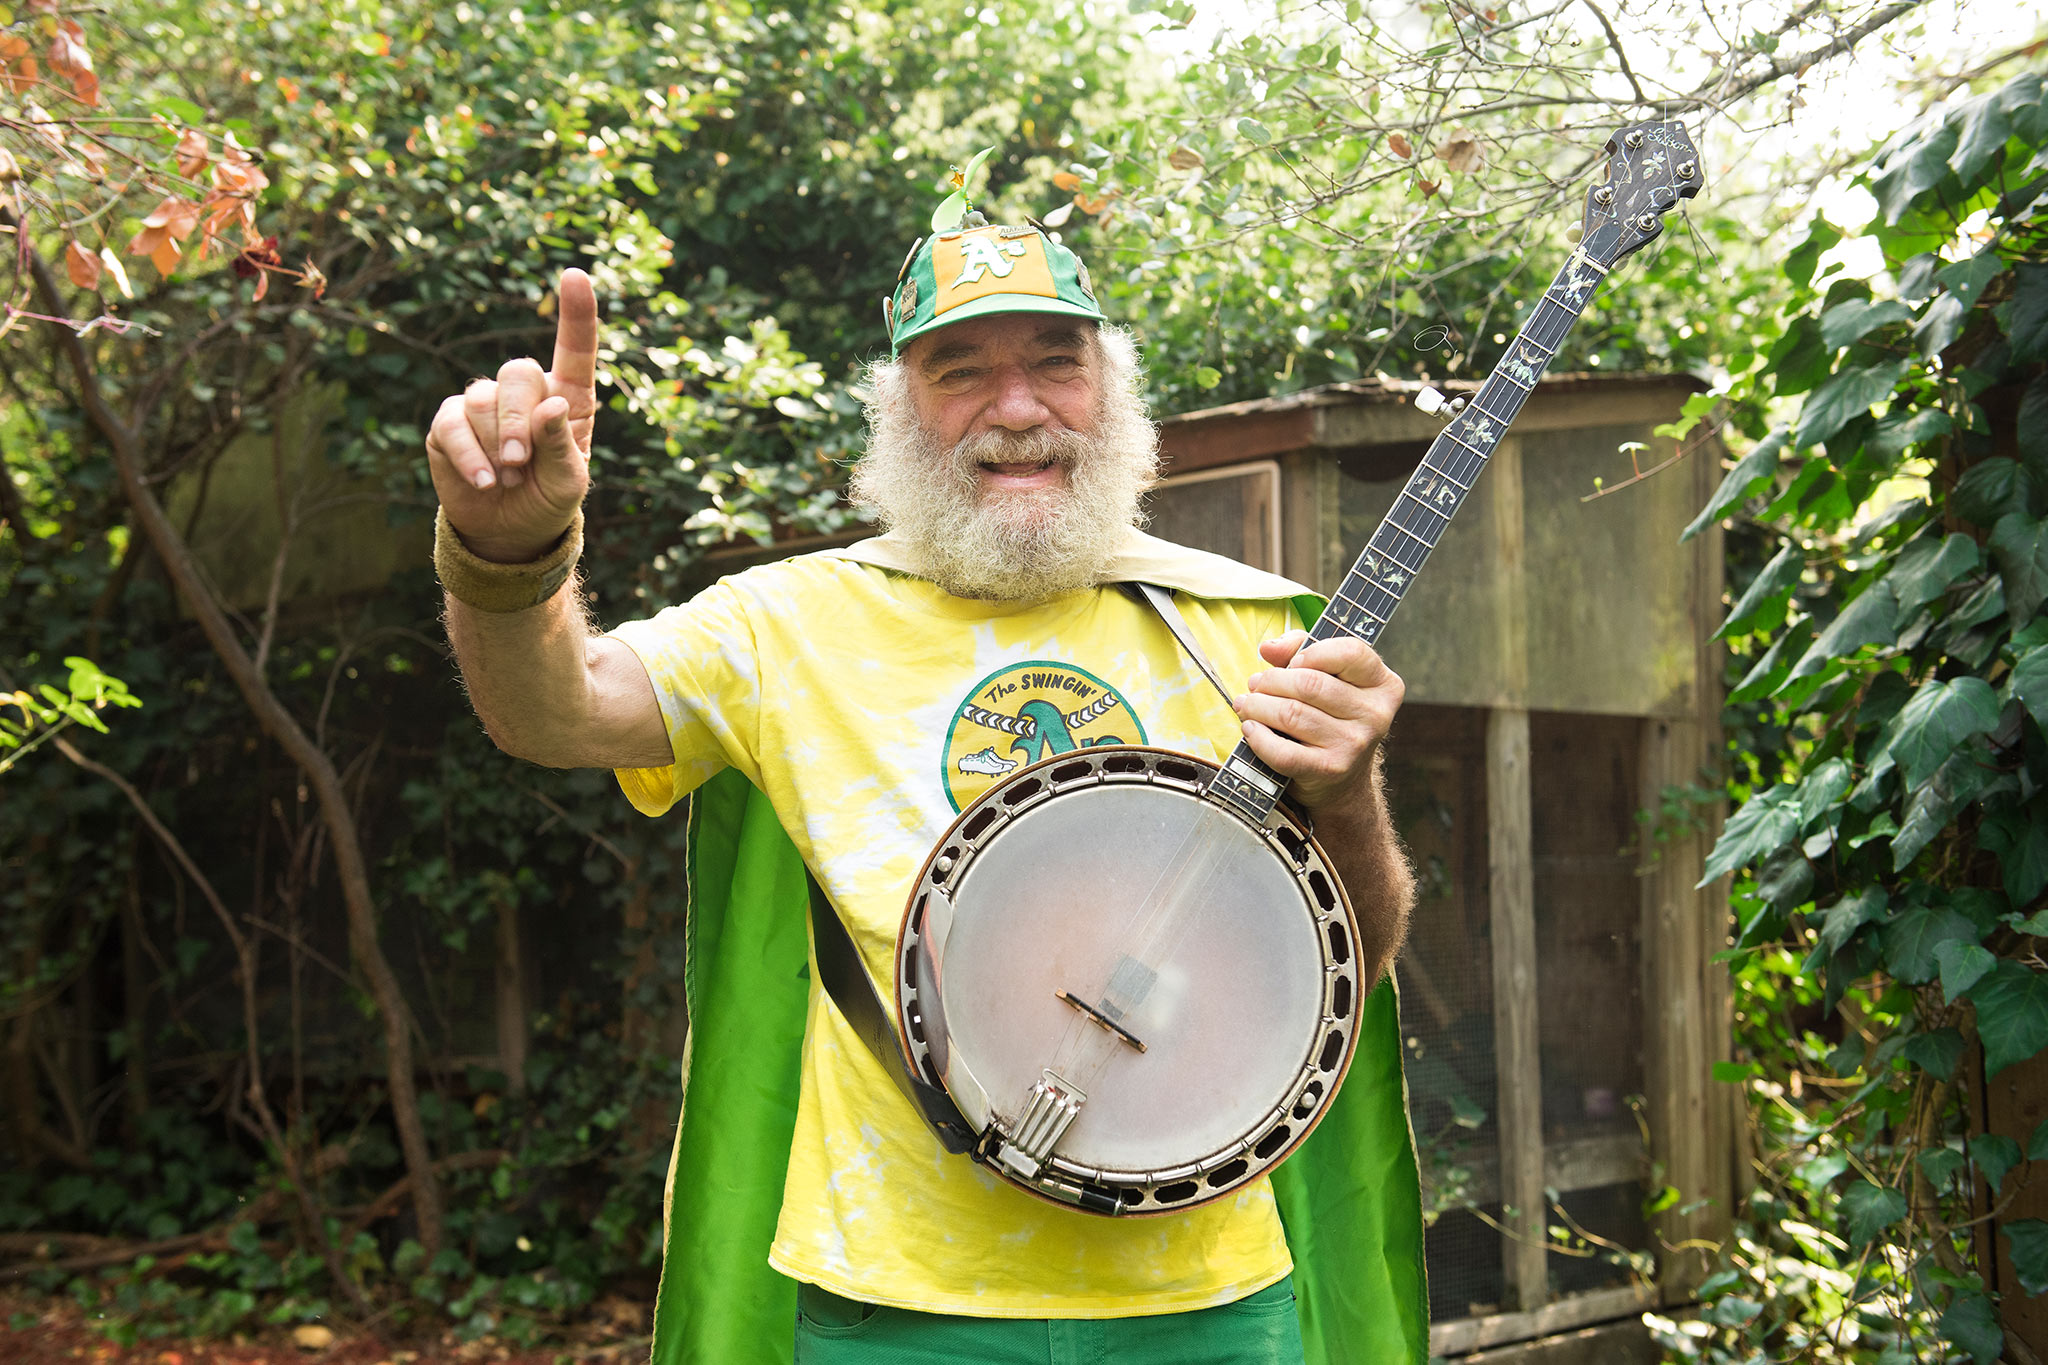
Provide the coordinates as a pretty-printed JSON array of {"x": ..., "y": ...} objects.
[
  {"x": 1472, "y": 1334},
  {"x": 1511, "y": 879}
]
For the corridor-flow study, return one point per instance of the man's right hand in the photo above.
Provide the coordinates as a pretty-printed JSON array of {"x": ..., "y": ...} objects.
[{"x": 511, "y": 456}]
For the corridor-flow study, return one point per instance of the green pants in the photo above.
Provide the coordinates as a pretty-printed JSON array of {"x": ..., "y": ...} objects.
[{"x": 1260, "y": 1329}]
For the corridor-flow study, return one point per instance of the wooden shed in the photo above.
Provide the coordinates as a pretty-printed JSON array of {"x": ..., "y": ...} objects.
[{"x": 1560, "y": 1006}]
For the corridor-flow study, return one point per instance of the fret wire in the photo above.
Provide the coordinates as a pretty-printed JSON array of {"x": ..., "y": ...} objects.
[
  {"x": 1427, "y": 507},
  {"x": 1478, "y": 463},
  {"x": 1393, "y": 551},
  {"x": 1453, "y": 435},
  {"x": 1444, "y": 473},
  {"x": 1377, "y": 591},
  {"x": 1426, "y": 545}
]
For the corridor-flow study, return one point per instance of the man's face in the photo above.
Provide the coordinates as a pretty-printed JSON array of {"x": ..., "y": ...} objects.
[
  {"x": 1009, "y": 452},
  {"x": 1013, "y": 372}
]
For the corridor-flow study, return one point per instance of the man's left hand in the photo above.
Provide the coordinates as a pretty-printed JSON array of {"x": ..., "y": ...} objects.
[{"x": 1317, "y": 717}]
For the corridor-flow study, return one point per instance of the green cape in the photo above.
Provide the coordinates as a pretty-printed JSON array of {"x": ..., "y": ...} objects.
[{"x": 1350, "y": 1198}]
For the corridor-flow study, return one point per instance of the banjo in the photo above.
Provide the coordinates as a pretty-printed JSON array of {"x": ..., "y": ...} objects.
[{"x": 1162, "y": 1014}]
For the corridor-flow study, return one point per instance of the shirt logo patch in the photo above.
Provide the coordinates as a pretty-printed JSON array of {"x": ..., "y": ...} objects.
[
  {"x": 1025, "y": 712},
  {"x": 979, "y": 262}
]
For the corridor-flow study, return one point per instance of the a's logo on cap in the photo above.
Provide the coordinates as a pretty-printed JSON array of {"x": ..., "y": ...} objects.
[{"x": 980, "y": 262}]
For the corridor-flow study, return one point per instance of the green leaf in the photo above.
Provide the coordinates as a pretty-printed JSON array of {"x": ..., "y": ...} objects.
[
  {"x": 1899, "y": 432},
  {"x": 1920, "y": 164},
  {"x": 1733, "y": 1073},
  {"x": 2025, "y": 315},
  {"x": 2037, "y": 1145},
  {"x": 1767, "y": 822},
  {"x": 1769, "y": 671},
  {"x": 2012, "y": 1015},
  {"x": 1935, "y": 1053},
  {"x": 1868, "y": 1210},
  {"x": 1911, "y": 938},
  {"x": 1821, "y": 237},
  {"x": 1963, "y": 965},
  {"x": 1990, "y": 489},
  {"x": 1752, "y": 470},
  {"x": 1851, "y": 320},
  {"x": 1972, "y": 1324},
  {"x": 1940, "y": 1163},
  {"x": 1207, "y": 377},
  {"x": 950, "y": 212},
  {"x": 1994, "y": 1155},
  {"x": 2020, "y": 545},
  {"x": 1848, "y": 393},
  {"x": 2019, "y": 839},
  {"x": 967, "y": 176},
  {"x": 1925, "y": 569},
  {"x": 1985, "y": 130},
  {"x": 2029, "y": 1238},
  {"x": 1254, "y": 131},
  {"x": 1966, "y": 279},
  {"x": 2028, "y": 685},
  {"x": 1939, "y": 325},
  {"x": 1785, "y": 879},
  {"x": 1934, "y": 804},
  {"x": 1935, "y": 719},
  {"x": 1870, "y": 618},
  {"x": 1851, "y": 913},
  {"x": 2031, "y": 429},
  {"x": 1774, "y": 583},
  {"x": 1820, "y": 791}
]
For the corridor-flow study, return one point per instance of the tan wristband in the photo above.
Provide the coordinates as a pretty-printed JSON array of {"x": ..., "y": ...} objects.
[{"x": 503, "y": 587}]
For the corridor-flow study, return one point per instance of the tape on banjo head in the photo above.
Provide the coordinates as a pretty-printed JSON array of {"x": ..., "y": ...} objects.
[{"x": 1182, "y": 981}]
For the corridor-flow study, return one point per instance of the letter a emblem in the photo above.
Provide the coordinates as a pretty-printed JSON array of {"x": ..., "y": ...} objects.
[{"x": 981, "y": 257}]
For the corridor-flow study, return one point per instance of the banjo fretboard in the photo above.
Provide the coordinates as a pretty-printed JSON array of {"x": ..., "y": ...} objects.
[{"x": 1365, "y": 601}]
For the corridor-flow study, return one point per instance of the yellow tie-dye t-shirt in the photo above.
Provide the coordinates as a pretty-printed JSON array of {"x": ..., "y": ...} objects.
[{"x": 870, "y": 707}]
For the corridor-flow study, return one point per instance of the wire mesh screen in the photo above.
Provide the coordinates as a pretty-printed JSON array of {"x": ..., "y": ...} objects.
[
  {"x": 1583, "y": 803},
  {"x": 1604, "y": 1238},
  {"x": 1437, "y": 778},
  {"x": 1584, "y": 794}
]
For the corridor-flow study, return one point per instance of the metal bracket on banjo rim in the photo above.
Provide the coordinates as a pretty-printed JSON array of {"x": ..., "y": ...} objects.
[{"x": 1054, "y": 1104}]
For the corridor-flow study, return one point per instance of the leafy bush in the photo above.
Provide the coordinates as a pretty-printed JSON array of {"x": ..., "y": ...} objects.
[{"x": 1892, "y": 852}]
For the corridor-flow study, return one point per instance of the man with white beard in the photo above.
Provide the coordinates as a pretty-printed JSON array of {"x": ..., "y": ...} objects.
[{"x": 859, "y": 699}]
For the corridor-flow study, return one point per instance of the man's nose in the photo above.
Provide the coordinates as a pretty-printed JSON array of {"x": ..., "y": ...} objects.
[{"x": 1016, "y": 405}]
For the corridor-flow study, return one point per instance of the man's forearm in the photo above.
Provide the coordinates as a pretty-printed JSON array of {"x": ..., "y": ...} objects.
[
  {"x": 528, "y": 673},
  {"x": 1358, "y": 835}
]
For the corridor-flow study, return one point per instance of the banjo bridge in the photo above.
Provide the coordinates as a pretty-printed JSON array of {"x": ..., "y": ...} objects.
[{"x": 1101, "y": 1019}]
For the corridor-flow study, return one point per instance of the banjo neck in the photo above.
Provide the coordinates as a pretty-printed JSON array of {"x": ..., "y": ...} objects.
[{"x": 1365, "y": 601}]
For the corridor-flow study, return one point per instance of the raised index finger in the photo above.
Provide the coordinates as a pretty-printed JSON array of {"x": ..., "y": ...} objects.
[{"x": 575, "y": 365}]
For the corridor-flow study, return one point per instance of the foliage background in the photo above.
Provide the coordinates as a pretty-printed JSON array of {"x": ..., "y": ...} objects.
[{"x": 205, "y": 1133}]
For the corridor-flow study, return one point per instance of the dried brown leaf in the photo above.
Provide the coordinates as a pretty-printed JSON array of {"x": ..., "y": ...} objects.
[
  {"x": 1185, "y": 158},
  {"x": 1462, "y": 152},
  {"x": 193, "y": 153},
  {"x": 82, "y": 265},
  {"x": 1066, "y": 180},
  {"x": 1399, "y": 146}
]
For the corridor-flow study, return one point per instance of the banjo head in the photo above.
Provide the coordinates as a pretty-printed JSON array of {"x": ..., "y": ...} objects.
[{"x": 1192, "y": 975}]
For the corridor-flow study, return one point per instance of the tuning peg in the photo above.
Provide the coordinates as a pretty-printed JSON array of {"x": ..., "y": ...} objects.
[{"x": 1432, "y": 401}]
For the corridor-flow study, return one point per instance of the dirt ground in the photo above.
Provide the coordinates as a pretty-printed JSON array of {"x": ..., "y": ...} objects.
[{"x": 55, "y": 1332}]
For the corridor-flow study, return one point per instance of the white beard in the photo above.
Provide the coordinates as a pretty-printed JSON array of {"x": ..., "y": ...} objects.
[{"x": 1011, "y": 545}]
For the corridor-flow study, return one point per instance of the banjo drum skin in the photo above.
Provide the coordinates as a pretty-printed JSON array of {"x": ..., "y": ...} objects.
[{"x": 1108, "y": 1068}]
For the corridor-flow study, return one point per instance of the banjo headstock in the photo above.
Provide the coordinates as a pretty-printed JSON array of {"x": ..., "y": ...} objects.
[{"x": 1650, "y": 167}]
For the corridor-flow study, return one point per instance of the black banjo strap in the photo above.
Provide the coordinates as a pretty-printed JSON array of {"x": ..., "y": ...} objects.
[{"x": 845, "y": 977}]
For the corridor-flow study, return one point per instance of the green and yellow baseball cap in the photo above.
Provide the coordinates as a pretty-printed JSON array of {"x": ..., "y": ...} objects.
[{"x": 973, "y": 271}]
